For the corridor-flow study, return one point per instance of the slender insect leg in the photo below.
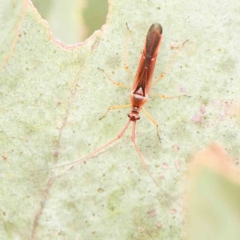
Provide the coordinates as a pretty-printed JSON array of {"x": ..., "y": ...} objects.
[
  {"x": 126, "y": 53},
  {"x": 114, "y": 108},
  {"x": 125, "y": 64},
  {"x": 118, "y": 84},
  {"x": 168, "y": 97},
  {"x": 153, "y": 121},
  {"x": 141, "y": 156},
  {"x": 75, "y": 163},
  {"x": 144, "y": 163},
  {"x": 169, "y": 65}
]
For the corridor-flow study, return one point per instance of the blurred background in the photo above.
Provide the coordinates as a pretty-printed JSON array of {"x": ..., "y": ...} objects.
[{"x": 73, "y": 21}]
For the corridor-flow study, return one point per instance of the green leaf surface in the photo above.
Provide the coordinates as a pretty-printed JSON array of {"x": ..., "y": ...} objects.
[
  {"x": 214, "y": 203},
  {"x": 64, "y": 18},
  {"x": 53, "y": 95}
]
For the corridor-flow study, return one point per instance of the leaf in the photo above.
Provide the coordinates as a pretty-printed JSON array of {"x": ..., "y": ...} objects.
[
  {"x": 53, "y": 95},
  {"x": 214, "y": 196},
  {"x": 64, "y": 18}
]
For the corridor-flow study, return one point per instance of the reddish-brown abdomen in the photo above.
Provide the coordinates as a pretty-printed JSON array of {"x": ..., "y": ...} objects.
[{"x": 143, "y": 79}]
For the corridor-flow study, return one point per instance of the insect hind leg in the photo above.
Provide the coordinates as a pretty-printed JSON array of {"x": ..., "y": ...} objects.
[
  {"x": 168, "y": 97},
  {"x": 126, "y": 53},
  {"x": 118, "y": 84},
  {"x": 153, "y": 121},
  {"x": 114, "y": 108},
  {"x": 170, "y": 64}
]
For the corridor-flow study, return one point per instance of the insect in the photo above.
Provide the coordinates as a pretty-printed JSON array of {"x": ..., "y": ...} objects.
[{"x": 139, "y": 93}]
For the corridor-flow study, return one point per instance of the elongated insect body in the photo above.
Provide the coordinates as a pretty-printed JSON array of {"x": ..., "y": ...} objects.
[
  {"x": 138, "y": 96},
  {"x": 143, "y": 79},
  {"x": 139, "y": 93}
]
